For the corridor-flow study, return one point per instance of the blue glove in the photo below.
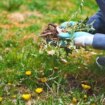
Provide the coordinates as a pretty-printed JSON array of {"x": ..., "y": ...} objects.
[
  {"x": 65, "y": 24},
  {"x": 75, "y": 35},
  {"x": 80, "y": 38}
]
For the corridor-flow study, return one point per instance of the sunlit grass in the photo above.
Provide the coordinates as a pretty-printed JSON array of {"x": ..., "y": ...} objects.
[{"x": 30, "y": 75}]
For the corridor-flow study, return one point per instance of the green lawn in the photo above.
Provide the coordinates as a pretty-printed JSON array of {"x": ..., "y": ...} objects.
[{"x": 59, "y": 76}]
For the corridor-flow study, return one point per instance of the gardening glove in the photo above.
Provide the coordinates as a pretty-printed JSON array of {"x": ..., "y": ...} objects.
[
  {"x": 83, "y": 39},
  {"x": 66, "y": 24},
  {"x": 79, "y": 38}
]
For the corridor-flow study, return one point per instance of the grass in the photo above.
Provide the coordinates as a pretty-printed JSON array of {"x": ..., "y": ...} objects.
[
  {"x": 11, "y": 5},
  {"x": 20, "y": 51}
]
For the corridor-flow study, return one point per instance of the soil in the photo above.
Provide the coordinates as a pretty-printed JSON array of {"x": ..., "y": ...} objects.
[{"x": 50, "y": 32}]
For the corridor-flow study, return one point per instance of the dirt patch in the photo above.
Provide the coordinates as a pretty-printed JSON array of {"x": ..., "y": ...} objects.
[
  {"x": 34, "y": 13},
  {"x": 16, "y": 17},
  {"x": 87, "y": 77},
  {"x": 20, "y": 17}
]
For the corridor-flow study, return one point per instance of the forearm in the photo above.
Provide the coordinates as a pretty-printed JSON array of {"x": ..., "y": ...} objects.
[
  {"x": 99, "y": 41},
  {"x": 98, "y": 22},
  {"x": 101, "y": 4}
]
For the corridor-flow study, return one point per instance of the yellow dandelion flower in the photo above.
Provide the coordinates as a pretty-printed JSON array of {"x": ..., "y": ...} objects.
[
  {"x": 1, "y": 99},
  {"x": 28, "y": 73},
  {"x": 93, "y": 104},
  {"x": 85, "y": 96},
  {"x": 74, "y": 100},
  {"x": 39, "y": 90},
  {"x": 26, "y": 96},
  {"x": 44, "y": 79},
  {"x": 9, "y": 83},
  {"x": 14, "y": 96},
  {"x": 86, "y": 87}
]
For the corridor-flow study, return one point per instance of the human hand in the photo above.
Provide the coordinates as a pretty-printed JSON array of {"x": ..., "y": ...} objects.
[
  {"x": 79, "y": 38},
  {"x": 83, "y": 39}
]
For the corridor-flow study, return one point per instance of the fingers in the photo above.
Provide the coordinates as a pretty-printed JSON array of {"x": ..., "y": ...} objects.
[
  {"x": 79, "y": 41},
  {"x": 64, "y": 35},
  {"x": 84, "y": 40}
]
